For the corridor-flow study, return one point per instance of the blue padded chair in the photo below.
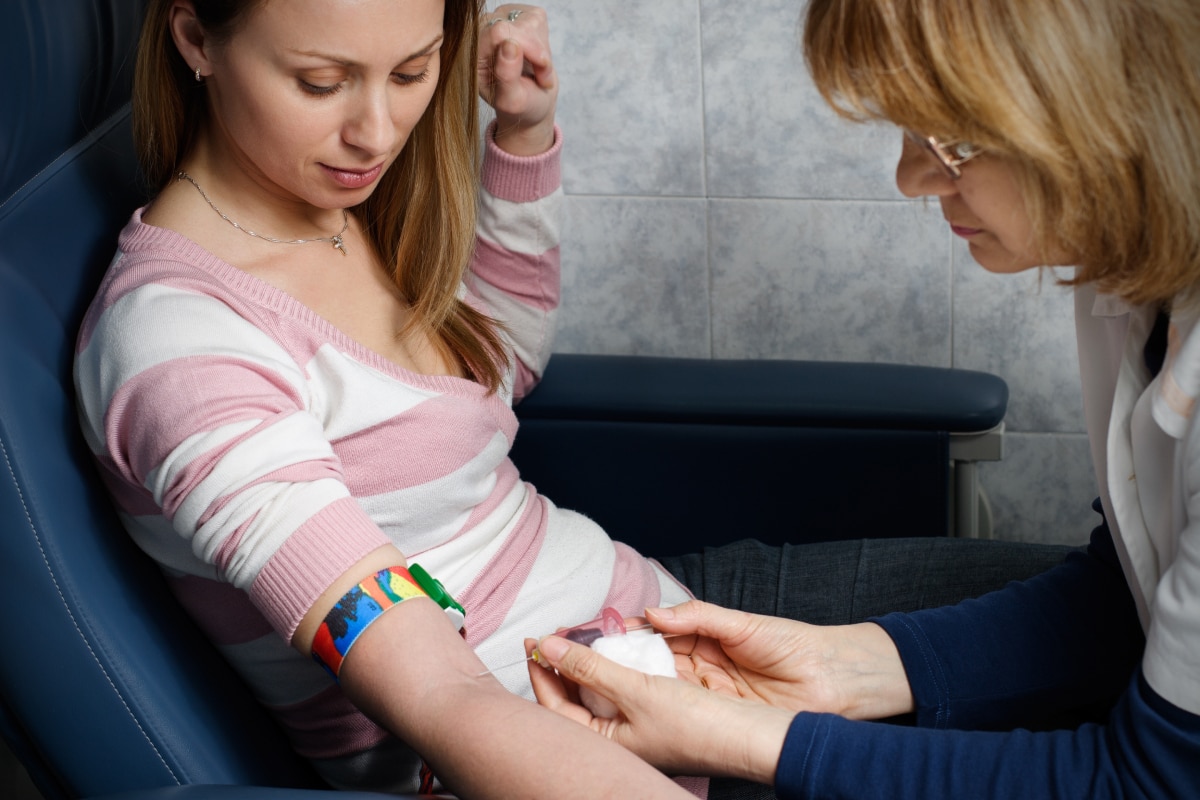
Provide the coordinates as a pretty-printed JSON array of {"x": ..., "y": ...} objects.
[{"x": 108, "y": 690}]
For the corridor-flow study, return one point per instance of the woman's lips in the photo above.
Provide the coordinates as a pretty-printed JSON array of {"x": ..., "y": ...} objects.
[
  {"x": 965, "y": 232},
  {"x": 353, "y": 179}
]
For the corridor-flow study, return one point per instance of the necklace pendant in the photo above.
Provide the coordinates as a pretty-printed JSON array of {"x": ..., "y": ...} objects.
[{"x": 339, "y": 244}]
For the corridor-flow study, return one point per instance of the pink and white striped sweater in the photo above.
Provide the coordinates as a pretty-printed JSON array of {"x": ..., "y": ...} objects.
[{"x": 256, "y": 453}]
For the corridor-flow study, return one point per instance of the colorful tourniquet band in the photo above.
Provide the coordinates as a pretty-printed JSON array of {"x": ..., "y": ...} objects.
[{"x": 365, "y": 603}]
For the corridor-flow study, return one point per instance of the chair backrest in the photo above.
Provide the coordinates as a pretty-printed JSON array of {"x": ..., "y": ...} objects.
[{"x": 105, "y": 684}]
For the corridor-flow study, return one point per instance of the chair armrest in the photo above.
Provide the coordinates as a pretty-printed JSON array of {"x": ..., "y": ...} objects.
[
  {"x": 760, "y": 392},
  {"x": 671, "y": 455}
]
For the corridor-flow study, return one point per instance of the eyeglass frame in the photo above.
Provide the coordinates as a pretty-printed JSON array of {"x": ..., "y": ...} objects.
[{"x": 950, "y": 163}]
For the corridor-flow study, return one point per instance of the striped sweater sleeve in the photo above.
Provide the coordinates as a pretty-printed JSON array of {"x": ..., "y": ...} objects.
[
  {"x": 203, "y": 426},
  {"x": 516, "y": 269}
]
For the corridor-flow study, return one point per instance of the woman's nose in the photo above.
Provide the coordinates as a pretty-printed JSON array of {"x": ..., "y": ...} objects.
[
  {"x": 370, "y": 128},
  {"x": 919, "y": 174}
]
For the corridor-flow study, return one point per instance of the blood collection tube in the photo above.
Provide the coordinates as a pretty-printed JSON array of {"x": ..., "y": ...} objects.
[{"x": 609, "y": 623}]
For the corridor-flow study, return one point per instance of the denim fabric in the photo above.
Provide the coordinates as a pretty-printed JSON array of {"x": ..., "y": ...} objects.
[{"x": 835, "y": 583}]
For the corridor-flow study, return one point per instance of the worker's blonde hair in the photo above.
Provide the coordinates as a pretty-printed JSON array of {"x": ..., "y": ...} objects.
[{"x": 1095, "y": 103}]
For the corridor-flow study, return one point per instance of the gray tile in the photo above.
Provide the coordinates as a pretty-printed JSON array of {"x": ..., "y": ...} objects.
[
  {"x": 635, "y": 277},
  {"x": 853, "y": 281},
  {"x": 1042, "y": 490},
  {"x": 802, "y": 267},
  {"x": 630, "y": 101},
  {"x": 768, "y": 131},
  {"x": 1022, "y": 328}
]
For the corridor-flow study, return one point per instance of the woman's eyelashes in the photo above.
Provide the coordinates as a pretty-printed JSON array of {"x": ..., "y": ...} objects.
[
  {"x": 402, "y": 78},
  {"x": 408, "y": 80},
  {"x": 320, "y": 91}
]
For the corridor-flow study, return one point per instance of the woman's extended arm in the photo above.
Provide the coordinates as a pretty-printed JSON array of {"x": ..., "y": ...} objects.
[
  {"x": 516, "y": 269},
  {"x": 413, "y": 674}
]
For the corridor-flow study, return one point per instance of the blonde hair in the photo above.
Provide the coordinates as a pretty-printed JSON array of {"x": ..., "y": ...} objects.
[
  {"x": 1095, "y": 103},
  {"x": 420, "y": 218}
]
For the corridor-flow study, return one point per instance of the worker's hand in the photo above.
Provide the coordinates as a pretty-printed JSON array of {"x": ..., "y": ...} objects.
[
  {"x": 852, "y": 670},
  {"x": 517, "y": 77},
  {"x": 679, "y": 727}
]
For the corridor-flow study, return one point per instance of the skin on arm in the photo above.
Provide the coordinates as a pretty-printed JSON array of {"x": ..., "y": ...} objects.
[{"x": 413, "y": 674}]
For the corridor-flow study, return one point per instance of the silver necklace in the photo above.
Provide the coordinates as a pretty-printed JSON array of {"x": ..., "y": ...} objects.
[{"x": 335, "y": 240}]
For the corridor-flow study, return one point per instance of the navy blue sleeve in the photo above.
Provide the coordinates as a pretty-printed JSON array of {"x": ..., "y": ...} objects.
[
  {"x": 1001, "y": 684},
  {"x": 1041, "y": 653},
  {"x": 1147, "y": 748}
]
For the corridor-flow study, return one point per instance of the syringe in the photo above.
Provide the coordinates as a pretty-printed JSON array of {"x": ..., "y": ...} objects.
[{"x": 609, "y": 623}]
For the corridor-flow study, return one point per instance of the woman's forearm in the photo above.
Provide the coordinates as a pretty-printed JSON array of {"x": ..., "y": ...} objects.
[
  {"x": 866, "y": 670},
  {"x": 496, "y": 744},
  {"x": 415, "y": 676},
  {"x": 412, "y": 673}
]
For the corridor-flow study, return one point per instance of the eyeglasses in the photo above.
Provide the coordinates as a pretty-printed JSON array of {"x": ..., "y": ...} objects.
[{"x": 950, "y": 156}]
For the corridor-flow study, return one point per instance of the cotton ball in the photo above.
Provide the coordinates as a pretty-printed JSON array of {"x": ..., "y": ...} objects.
[{"x": 641, "y": 650}]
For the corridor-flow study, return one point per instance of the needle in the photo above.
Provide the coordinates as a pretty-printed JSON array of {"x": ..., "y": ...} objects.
[
  {"x": 536, "y": 654},
  {"x": 506, "y": 666}
]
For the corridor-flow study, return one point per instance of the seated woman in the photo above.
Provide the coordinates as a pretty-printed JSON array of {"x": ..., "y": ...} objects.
[
  {"x": 1061, "y": 132},
  {"x": 297, "y": 375},
  {"x": 287, "y": 372}
]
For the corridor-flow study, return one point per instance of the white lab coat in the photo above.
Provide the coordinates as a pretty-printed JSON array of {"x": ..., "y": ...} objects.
[{"x": 1146, "y": 450}]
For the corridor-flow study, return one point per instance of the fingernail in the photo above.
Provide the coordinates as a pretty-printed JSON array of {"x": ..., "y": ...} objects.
[
  {"x": 553, "y": 648},
  {"x": 508, "y": 49},
  {"x": 664, "y": 614}
]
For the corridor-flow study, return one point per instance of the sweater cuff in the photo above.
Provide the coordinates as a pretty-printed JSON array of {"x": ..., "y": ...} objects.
[
  {"x": 521, "y": 179},
  {"x": 922, "y": 667},
  {"x": 329, "y": 544},
  {"x": 800, "y": 759}
]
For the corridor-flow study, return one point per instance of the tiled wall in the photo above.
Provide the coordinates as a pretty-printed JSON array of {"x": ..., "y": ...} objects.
[{"x": 717, "y": 209}]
